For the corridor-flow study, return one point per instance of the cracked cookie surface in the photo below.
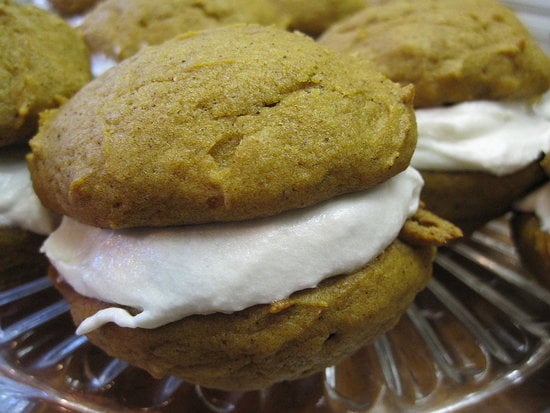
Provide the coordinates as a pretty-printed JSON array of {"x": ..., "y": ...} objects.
[{"x": 226, "y": 124}]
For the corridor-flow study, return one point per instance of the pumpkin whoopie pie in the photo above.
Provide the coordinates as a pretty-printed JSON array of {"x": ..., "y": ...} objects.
[
  {"x": 478, "y": 74},
  {"x": 239, "y": 206},
  {"x": 43, "y": 62}
]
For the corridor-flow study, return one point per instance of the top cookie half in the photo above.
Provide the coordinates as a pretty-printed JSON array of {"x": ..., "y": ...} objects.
[
  {"x": 452, "y": 51},
  {"x": 221, "y": 125},
  {"x": 119, "y": 28},
  {"x": 43, "y": 61}
]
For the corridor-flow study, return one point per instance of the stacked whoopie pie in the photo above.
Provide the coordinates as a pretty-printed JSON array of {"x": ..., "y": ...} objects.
[
  {"x": 238, "y": 206},
  {"x": 43, "y": 61},
  {"x": 479, "y": 80}
]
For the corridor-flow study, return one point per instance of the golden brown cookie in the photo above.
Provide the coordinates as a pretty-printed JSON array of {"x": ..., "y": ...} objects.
[
  {"x": 452, "y": 51},
  {"x": 72, "y": 7},
  {"x": 43, "y": 61},
  {"x": 314, "y": 17},
  {"x": 226, "y": 124},
  {"x": 264, "y": 344},
  {"x": 426, "y": 228},
  {"x": 470, "y": 199},
  {"x": 119, "y": 28}
]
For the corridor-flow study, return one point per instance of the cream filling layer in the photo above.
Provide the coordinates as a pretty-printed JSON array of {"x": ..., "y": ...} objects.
[
  {"x": 486, "y": 136},
  {"x": 19, "y": 205},
  {"x": 170, "y": 273}
]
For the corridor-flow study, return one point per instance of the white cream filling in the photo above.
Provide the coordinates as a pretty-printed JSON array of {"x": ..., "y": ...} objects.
[
  {"x": 170, "y": 273},
  {"x": 538, "y": 202},
  {"x": 19, "y": 205},
  {"x": 100, "y": 63},
  {"x": 487, "y": 136}
]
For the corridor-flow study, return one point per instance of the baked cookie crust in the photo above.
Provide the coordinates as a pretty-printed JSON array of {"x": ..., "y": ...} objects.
[
  {"x": 43, "y": 61},
  {"x": 221, "y": 125},
  {"x": 452, "y": 51},
  {"x": 119, "y": 28}
]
